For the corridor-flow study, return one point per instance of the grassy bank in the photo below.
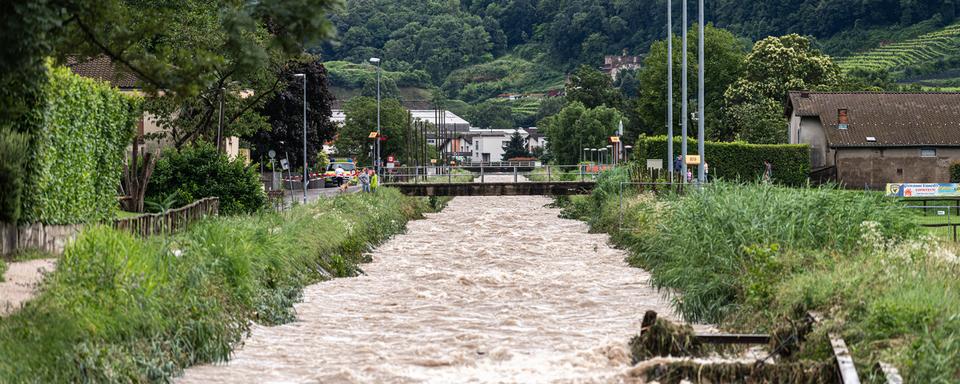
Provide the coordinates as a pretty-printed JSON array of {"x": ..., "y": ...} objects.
[
  {"x": 750, "y": 257},
  {"x": 122, "y": 309}
]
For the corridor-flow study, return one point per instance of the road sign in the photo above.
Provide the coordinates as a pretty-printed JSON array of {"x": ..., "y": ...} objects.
[
  {"x": 390, "y": 159},
  {"x": 373, "y": 135},
  {"x": 614, "y": 139},
  {"x": 693, "y": 159},
  {"x": 284, "y": 164},
  {"x": 272, "y": 153},
  {"x": 433, "y": 161},
  {"x": 654, "y": 163}
]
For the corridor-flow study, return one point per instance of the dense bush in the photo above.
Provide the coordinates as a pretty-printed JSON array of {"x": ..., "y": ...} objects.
[
  {"x": 955, "y": 173},
  {"x": 737, "y": 160},
  {"x": 199, "y": 171},
  {"x": 75, "y": 156},
  {"x": 123, "y": 309},
  {"x": 13, "y": 158},
  {"x": 351, "y": 75}
]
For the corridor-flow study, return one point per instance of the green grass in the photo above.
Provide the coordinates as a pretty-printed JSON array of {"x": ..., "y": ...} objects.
[
  {"x": 918, "y": 50},
  {"x": 750, "y": 256},
  {"x": 123, "y": 309},
  {"x": 3, "y": 269},
  {"x": 121, "y": 214}
]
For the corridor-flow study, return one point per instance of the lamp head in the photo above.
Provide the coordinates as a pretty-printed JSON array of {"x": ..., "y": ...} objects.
[{"x": 375, "y": 60}]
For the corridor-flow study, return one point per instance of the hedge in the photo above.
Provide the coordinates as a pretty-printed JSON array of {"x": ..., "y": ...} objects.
[
  {"x": 736, "y": 160},
  {"x": 955, "y": 173},
  {"x": 75, "y": 154}
]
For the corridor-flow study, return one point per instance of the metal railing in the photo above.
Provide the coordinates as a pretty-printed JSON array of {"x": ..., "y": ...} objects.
[
  {"x": 487, "y": 173},
  {"x": 940, "y": 220}
]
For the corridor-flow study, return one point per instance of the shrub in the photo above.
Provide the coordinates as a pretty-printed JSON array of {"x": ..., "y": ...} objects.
[
  {"x": 13, "y": 156},
  {"x": 199, "y": 171},
  {"x": 737, "y": 160},
  {"x": 123, "y": 309},
  {"x": 75, "y": 156},
  {"x": 955, "y": 173}
]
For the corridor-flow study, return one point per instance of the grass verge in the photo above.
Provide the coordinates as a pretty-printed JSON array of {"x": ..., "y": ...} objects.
[
  {"x": 123, "y": 309},
  {"x": 751, "y": 256}
]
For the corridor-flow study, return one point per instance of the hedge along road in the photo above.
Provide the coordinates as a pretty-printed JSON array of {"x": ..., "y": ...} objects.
[{"x": 492, "y": 289}]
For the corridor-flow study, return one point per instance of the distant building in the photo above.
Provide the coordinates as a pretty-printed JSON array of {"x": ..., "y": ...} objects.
[
  {"x": 873, "y": 138},
  {"x": 612, "y": 65}
]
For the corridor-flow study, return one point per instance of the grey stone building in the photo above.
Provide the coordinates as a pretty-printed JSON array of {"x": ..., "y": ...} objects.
[{"x": 868, "y": 139}]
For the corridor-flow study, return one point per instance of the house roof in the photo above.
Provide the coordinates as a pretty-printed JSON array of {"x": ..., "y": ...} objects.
[
  {"x": 101, "y": 68},
  {"x": 890, "y": 119}
]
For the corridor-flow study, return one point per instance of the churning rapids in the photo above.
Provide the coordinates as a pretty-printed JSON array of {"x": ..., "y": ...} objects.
[{"x": 492, "y": 289}]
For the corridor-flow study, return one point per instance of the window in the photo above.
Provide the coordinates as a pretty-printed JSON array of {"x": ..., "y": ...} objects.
[{"x": 928, "y": 152}]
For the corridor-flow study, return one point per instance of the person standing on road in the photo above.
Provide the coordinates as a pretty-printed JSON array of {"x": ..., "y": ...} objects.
[
  {"x": 364, "y": 179},
  {"x": 678, "y": 166},
  {"x": 338, "y": 175}
]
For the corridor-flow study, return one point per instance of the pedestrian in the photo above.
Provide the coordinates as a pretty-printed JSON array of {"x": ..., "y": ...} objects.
[
  {"x": 767, "y": 171},
  {"x": 689, "y": 175},
  {"x": 374, "y": 181},
  {"x": 364, "y": 179},
  {"x": 706, "y": 172},
  {"x": 678, "y": 166},
  {"x": 338, "y": 175}
]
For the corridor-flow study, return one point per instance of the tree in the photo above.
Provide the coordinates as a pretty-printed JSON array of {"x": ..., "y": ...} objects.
[
  {"x": 516, "y": 147},
  {"x": 773, "y": 67},
  {"x": 577, "y": 127},
  {"x": 592, "y": 88},
  {"x": 361, "y": 119},
  {"x": 724, "y": 62},
  {"x": 491, "y": 114},
  {"x": 284, "y": 113}
]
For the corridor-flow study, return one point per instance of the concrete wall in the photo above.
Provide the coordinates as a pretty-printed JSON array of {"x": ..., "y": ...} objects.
[
  {"x": 49, "y": 238},
  {"x": 808, "y": 130},
  {"x": 875, "y": 167}
]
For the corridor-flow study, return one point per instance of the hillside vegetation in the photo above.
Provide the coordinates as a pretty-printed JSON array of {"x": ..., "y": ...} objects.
[
  {"x": 507, "y": 74},
  {"x": 928, "y": 47}
]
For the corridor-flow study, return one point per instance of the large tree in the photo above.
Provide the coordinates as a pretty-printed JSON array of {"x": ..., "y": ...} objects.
[
  {"x": 284, "y": 112},
  {"x": 592, "y": 88},
  {"x": 775, "y": 65},
  {"x": 516, "y": 147},
  {"x": 577, "y": 127},
  {"x": 361, "y": 119},
  {"x": 724, "y": 55}
]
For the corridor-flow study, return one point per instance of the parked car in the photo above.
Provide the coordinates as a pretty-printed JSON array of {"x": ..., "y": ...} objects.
[{"x": 329, "y": 176}]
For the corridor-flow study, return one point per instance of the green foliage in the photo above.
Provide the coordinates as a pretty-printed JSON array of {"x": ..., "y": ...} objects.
[
  {"x": 577, "y": 127},
  {"x": 491, "y": 114},
  {"x": 919, "y": 50},
  {"x": 124, "y": 309},
  {"x": 955, "y": 173},
  {"x": 75, "y": 158},
  {"x": 361, "y": 119},
  {"x": 516, "y": 147},
  {"x": 737, "y": 160},
  {"x": 773, "y": 67},
  {"x": 508, "y": 74},
  {"x": 592, "y": 88},
  {"x": 350, "y": 75},
  {"x": 724, "y": 62},
  {"x": 199, "y": 171},
  {"x": 13, "y": 160}
]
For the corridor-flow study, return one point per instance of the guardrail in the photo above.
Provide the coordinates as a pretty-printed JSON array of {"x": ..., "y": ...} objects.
[
  {"x": 170, "y": 221},
  {"x": 486, "y": 173}
]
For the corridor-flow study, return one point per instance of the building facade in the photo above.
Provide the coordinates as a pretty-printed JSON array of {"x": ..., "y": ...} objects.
[{"x": 869, "y": 139}]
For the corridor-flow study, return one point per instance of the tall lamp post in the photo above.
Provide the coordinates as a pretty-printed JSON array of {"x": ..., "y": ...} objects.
[
  {"x": 376, "y": 61},
  {"x": 305, "y": 177},
  {"x": 703, "y": 159}
]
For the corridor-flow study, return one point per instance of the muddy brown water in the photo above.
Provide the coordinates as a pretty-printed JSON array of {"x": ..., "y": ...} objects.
[{"x": 491, "y": 290}]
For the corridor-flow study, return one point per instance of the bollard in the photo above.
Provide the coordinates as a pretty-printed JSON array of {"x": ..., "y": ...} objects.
[
  {"x": 514, "y": 173},
  {"x": 548, "y": 173},
  {"x": 481, "y": 172}
]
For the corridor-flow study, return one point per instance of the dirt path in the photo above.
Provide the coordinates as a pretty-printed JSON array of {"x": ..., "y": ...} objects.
[{"x": 19, "y": 283}]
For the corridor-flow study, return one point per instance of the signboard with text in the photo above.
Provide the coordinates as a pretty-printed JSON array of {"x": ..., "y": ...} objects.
[
  {"x": 693, "y": 159},
  {"x": 923, "y": 190}
]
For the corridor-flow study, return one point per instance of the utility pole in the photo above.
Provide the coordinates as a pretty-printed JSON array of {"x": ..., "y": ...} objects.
[
  {"x": 306, "y": 178},
  {"x": 683, "y": 100},
  {"x": 670, "y": 88},
  {"x": 376, "y": 60},
  {"x": 703, "y": 159}
]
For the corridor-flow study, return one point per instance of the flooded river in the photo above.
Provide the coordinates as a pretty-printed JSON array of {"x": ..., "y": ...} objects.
[{"x": 491, "y": 290}]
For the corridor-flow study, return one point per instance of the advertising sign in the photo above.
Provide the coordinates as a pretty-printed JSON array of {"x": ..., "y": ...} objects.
[
  {"x": 693, "y": 159},
  {"x": 923, "y": 190}
]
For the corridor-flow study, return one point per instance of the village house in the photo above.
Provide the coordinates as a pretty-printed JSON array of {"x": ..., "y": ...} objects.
[
  {"x": 868, "y": 139},
  {"x": 612, "y": 65}
]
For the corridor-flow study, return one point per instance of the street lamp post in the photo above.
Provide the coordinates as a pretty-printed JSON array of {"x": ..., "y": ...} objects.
[
  {"x": 305, "y": 179},
  {"x": 700, "y": 168},
  {"x": 376, "y": 60}
]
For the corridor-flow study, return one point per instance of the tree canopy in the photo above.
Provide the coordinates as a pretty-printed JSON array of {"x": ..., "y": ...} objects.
[
  {"x": 516, "y": 147},
  {"x": 577, "y": 127},
  {"x": 361, "y": 119}
]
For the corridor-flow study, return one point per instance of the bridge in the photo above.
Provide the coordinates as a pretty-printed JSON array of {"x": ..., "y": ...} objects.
[
  {"x": 498, "y": 179},
  {"x": 557, "y": 188}
]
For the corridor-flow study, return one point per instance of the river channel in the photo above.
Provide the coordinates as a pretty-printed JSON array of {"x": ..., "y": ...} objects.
[{"x": 491, "y": 290}]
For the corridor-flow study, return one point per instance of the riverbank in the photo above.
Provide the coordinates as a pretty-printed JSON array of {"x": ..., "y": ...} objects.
[
  {"x": 490, "y": 290},
  {"x": 751, "y": 257},
  {"x": 123, "y": 309}
]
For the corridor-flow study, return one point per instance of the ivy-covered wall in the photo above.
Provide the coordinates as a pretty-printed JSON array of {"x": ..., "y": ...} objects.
[
  {"x": 75, "y": 155},
  {"x": 736, "y": 160}
]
